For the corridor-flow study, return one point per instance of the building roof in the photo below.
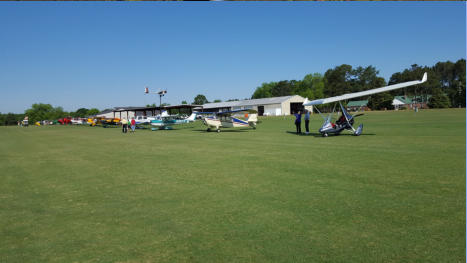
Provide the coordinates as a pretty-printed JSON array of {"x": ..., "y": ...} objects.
[
  {"x": 104, "y": 112},
  {"x": 129, "y": 108},
  {"x": 239, "y": 103},
  {"x": 396, "y": 101},
  {"x": 142, "y": 108},
  {"x": 357, "y": 103},
  {"x": 404, "y": 99},
  {"x": 413, "y": 99}
]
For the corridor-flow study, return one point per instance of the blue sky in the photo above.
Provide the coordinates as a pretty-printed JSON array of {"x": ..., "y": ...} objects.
[{"x": 103, "y": 54}]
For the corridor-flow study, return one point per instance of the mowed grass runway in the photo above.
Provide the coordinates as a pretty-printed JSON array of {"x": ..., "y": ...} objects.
[{"x": 89, "y": 194}]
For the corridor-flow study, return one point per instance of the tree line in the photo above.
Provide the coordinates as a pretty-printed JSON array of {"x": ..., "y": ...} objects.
[
  {"x": 41, "y": 111},
  {"x": 445, "y": 86}
]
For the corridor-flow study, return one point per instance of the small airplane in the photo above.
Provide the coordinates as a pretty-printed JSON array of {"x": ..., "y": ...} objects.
[
  {"x": 146, "y": 120},
  {"x": 166, "y": 121},
  {"x": 65, "y": 121},
  {"x": 76, "y": 121},
  {"x": 142, "y": 120},
  {"x": 346, "y": 120},
  {"x": 102, "y": 121},
  {"x": 226, "y": 119}
]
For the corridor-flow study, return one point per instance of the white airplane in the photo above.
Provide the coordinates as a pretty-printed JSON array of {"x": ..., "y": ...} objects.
[
  {"x": 346, "y": 120},
  {"x": 143, "y": 120},
  {"x": 227, "y": 120},
  {"x": 77, "y": 121}
]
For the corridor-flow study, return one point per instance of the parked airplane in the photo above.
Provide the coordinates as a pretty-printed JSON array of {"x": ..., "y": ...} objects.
[
  {"x": 346, "y": 120},
  {"x": 167, "y": 121},
  {"x": 141, "y": 120},
  {"x": 77, "y": 121},
  {"x": 227, "y": 120}
]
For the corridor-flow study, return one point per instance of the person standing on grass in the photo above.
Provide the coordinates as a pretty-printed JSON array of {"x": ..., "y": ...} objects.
[
  {"x": 307, "y": 122},
  {"x": 298, "y": 122},
  {"x": 133, "y": 124},
  {"x": 124, "y": 125}
]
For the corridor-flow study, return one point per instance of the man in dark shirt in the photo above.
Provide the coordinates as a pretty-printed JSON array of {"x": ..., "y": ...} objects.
[{"x": 298, "y": 122}]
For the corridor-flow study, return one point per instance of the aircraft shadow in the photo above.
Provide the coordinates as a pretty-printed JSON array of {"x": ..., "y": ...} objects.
[
  {"x": 213, "y": 131},
  {"x": 317, "y": 134}
]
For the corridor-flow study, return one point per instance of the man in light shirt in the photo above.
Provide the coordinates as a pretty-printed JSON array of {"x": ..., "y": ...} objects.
[
  {"x": 307, "y": 121},
  {"x": 124, "y": 125}
]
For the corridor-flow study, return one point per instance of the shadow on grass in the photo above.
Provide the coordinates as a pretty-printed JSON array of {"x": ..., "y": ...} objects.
[
  {"x": 172, "y": 128},
  {"x": 223, "y": 130},
  {"x": 317, "y": 134}
]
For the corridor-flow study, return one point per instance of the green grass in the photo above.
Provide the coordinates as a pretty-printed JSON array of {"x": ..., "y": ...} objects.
[{"x": 88, "y": 194}]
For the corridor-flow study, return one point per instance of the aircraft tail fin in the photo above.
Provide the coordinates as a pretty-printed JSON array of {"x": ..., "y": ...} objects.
[
  {"x": 425, "y": 77},
  {"x": 252, "y": 117},
  {"x": 192, "y": 117},
  {"x": 164, "y": 113}
]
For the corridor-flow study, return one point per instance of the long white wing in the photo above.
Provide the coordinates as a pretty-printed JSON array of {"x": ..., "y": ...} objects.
[{"x": 364, "y": 93}]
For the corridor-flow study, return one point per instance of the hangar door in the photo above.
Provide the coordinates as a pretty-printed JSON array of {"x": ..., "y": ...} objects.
[
  {"x": 260, "y": 110},
  {"x": 295, "y": 107}
]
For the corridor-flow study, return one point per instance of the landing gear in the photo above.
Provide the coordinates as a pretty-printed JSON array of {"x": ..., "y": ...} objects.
[
  {"x": 208, "y": 130},
  {"x": 325, "y": 134},
  {"x": 218, "y": 130}
]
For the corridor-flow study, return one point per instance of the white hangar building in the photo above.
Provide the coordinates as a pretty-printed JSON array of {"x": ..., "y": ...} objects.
[{"x": 276, "y": 106}]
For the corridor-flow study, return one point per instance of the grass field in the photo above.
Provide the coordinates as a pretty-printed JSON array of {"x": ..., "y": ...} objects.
[{"x": 88, "y": 194}]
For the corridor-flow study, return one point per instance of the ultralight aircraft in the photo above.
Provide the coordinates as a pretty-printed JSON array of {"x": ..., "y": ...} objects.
[{"x": 346, "y": 120}]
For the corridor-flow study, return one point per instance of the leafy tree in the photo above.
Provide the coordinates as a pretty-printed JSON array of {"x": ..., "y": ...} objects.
[
  {"x": 452, "y": 80},
  {"x": 184, "y": 102},
  {"x": 217, "y": 101},
  {"x": 200, "y": 100},
  {"x": 458, "y": 99},
  {"x": 364, "y": 78},
  {"x": 314, "y": 84},
  {"x": 57, "y": 113},
  {"x": 447, "y": 77},
  {"x": 439, "y": 100},
  {"x": 283, "y": 88},
  {"x": 381, "y": 101},
  {"x": 81, "y": 112},
  {"x": 232, "y": 100},
  {"x": 39, "y": 111},
  {"x": 10, "y": 118},
  {"x": 165, "y": 104},
  {"x": 264, "y": 91},
  {"x": 337, "y": 80},
  {"x": 93, "y": 111}
]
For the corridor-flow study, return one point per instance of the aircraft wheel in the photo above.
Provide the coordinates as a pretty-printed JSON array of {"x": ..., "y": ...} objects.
[
  {"x": 208, "y": 130},
  {"x": 325, "y": 135},
  {"x": 218, "y": 130}
]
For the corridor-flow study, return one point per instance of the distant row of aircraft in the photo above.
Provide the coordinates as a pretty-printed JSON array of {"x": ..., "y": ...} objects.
[
  {"x": 228, "y": 119},
  {"x": 214, "y": 120}
]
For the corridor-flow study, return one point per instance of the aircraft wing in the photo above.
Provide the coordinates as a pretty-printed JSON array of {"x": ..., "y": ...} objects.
[
  {"x": 228, "y": 112},
  {"x": 364, "y": 93}
]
